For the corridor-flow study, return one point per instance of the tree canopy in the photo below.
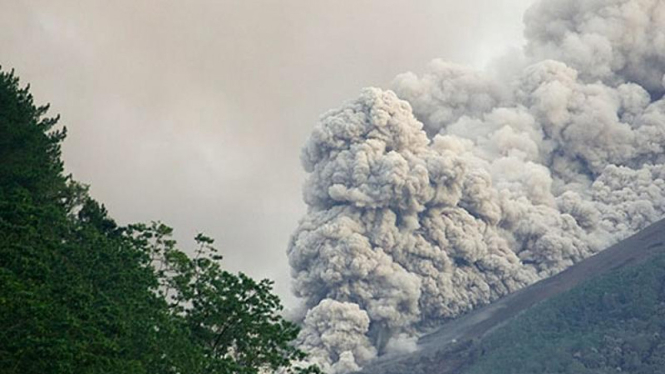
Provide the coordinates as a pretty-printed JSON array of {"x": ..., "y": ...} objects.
[{"x": 81, "y": 294}]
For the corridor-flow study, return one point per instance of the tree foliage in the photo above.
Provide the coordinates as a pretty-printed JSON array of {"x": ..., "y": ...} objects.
[
  {"x": 231, "y": 317},
  {"x": 81, "y": 294}
]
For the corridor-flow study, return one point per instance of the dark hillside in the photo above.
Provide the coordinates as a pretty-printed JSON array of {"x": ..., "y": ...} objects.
[{"x": 615, "y": 323}]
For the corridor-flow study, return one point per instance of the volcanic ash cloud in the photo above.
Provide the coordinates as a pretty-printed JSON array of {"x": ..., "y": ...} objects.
[{"x": 457, "y": 187}]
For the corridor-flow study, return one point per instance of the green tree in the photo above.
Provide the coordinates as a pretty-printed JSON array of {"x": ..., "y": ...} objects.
[
  {"x": 81, "y": 294},
  {"x": 68, "y": 283},
  {"x": 234, "y": 319}
]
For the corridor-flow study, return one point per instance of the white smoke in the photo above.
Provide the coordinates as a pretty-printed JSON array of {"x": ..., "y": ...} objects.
[{"x": 458, "y": 187}]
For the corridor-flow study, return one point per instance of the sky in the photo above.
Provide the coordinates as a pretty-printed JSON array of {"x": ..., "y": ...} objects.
[{"x": 193, "y": 113}]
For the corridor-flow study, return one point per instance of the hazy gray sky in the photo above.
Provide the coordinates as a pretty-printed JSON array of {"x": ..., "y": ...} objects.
[{"x": 194, "y": 112}]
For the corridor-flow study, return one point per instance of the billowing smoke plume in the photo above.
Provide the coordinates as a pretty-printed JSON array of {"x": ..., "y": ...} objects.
[{"x": 458, "y": 187}]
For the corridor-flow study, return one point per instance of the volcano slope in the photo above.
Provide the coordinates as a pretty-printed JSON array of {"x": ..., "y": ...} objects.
[{"x": 606, "y": 314}]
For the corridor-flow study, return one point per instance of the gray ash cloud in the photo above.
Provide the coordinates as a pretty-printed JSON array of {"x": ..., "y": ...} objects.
[{"x": 458, "y": 186}]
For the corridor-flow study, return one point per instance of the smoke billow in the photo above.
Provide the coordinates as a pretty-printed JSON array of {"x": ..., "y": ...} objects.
[{"x": 458, "y": 186}]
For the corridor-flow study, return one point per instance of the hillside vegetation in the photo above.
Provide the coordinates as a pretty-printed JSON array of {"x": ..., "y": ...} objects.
[{"x": 611, "y": 324}]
